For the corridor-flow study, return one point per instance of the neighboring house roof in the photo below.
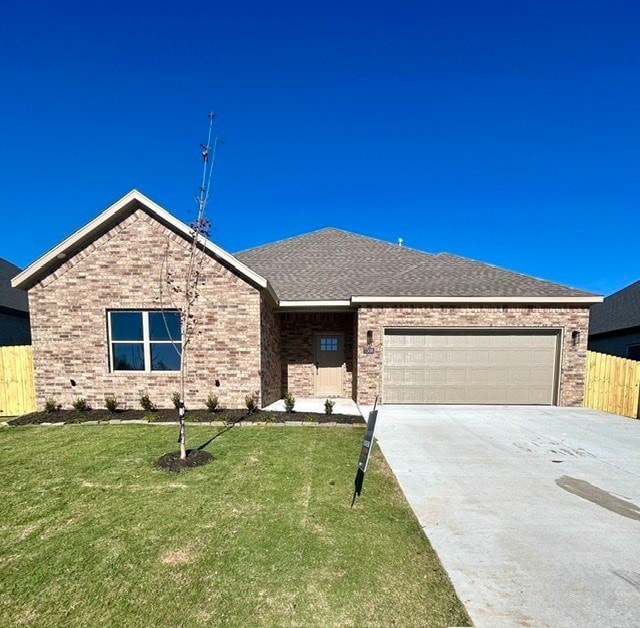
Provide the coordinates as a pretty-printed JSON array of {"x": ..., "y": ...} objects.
[
  {"x": 111, "y": 216},
  {"x": 338, "y": 266},
  {"x": 11, "y": 298},
  {"x": 619, "y": 311}
]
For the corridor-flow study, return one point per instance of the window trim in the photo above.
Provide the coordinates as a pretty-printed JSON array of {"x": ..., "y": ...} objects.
[{"x": 146, "y": 342}]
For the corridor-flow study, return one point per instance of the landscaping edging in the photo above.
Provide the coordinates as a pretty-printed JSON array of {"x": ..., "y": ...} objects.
[
  {"x": 170, "y": 416},
  {"x": 195, "y": 423}
]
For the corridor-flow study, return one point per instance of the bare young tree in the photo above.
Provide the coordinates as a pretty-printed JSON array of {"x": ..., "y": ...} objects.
[{"x": 180, "y": 291}]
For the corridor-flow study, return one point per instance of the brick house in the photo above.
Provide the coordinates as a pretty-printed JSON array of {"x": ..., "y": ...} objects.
[{"x": 329, "y": 313}]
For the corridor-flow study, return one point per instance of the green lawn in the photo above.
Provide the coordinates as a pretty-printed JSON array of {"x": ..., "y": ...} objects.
[{"x": 91, "y": 534}]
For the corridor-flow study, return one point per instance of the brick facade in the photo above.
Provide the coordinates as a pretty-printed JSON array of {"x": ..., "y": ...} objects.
[
  {"x": 271, "y": 373},
  {"x": 244, "y": 345},
  {"x": 298, "y": 341},
  {"x": 121, "y": 270},
  {"x": 567, "y": 319}
]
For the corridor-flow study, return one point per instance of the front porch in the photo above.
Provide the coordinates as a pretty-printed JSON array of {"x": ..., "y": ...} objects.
[
  {"x": 341, "y": 406},
  {"x": 317, "y": 354}
]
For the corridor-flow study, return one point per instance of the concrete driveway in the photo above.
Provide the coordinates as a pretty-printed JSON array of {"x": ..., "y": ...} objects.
[{"x": 534, "y": 512}]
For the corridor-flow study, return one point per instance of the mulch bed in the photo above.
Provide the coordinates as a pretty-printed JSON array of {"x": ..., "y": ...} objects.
[
  {"x": 195, "y": 458},
  {"x": 192, "y": 416}
]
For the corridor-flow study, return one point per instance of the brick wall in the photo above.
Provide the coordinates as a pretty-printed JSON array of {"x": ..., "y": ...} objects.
[
  {"x": 121, "y": 270},
  {"x": 270, "y": 347},
  {"x": 298, "y": 338},
  {"x": 572, "y": 361}
]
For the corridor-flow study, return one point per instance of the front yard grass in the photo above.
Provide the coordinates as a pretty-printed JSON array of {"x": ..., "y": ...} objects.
[{"x": 91, "y": 533}]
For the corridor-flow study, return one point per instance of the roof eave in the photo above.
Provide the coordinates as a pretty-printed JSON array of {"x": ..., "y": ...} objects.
[
  {"x": 615, "y": 331},
  {"x": 337, "y": 305},
  {"x": 12, "y": 311},
  {"x": 533, "y": 300}
]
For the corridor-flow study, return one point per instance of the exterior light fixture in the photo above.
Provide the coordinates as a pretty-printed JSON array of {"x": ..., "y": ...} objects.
[
  {"x": 370, "y": 337},
  {"x": 575, "y": 337}
]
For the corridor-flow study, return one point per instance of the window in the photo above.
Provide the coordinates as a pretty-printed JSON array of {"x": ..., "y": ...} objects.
[
  {"x": 633, "y": 352},
  {"x": 145, "y": 341},
  {"x": 328, "y": 344}
]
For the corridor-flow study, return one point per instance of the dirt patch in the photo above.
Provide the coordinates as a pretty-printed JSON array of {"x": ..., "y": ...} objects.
[
  {"x": 178, "y": 557},
  {"x": 192, "y": 416}
]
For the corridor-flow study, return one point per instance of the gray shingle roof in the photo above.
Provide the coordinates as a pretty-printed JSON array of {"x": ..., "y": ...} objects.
[
  {"x": 11, "y": 298},
  {"x": 621, "y": 310},
  {"x": 332, "y": 264}
]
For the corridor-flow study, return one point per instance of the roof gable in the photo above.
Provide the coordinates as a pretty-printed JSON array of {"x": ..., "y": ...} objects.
[
  {"x": 335, "y": 265},
  {"x": 619, "y": 311},
  {"x": 110, "y": 217}
]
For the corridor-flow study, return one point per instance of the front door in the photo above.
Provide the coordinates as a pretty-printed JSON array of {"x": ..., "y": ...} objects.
[{"x": 328, "y": 366}]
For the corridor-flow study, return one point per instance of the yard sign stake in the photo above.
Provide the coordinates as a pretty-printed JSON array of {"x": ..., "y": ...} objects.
[{"x": 365, "y": 452}]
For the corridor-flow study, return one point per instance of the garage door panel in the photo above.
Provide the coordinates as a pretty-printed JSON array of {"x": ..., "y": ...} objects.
[{"x": 470, "y": 366}]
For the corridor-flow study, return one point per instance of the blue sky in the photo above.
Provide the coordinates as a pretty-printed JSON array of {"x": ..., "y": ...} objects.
[{"x": 507, "y": 132}]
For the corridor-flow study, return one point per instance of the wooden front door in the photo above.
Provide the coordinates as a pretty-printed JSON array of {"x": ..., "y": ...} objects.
[{"x": 328, "y": 366}]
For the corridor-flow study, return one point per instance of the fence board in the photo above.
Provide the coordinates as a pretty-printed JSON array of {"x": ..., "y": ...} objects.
[
  {"x": 17, "y": 387},
  {"x": 612, "y": 384}
]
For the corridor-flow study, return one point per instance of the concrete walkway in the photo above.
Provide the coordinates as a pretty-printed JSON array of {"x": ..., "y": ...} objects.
[
  {"x": 534, "y": 512},
  {"x": 341, "y": 406}
]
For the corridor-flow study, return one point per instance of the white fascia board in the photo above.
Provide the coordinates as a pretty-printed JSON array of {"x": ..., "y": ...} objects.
[
  {"x": 212, "y": 248},
  {"x": 314, "y": 304},
  {"x": 583, "y": 300},
  {"x": 161, "y": 213}
]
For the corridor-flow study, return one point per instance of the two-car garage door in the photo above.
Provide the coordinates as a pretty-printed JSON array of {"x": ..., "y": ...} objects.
[{"x": 470, "y": 366}]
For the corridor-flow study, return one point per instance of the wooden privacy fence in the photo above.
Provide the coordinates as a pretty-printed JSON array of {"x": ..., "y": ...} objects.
[
  {"x": 17, "y": 388},
  {"x": 612, "y": 384}
]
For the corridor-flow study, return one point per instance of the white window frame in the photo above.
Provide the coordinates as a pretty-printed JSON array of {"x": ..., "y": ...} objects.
[{"x": 145, "y": 342}]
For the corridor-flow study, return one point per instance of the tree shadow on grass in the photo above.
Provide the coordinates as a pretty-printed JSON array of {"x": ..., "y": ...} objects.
[{"x": 229, "y": 426}]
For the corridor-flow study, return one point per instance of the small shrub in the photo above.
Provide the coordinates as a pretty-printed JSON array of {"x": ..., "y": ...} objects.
[
  {"x": 289, "y": 402},
  {"x": 269, "y": 418},
  {"x": 212, "y": 402},
  {"x": 80, "y": 405},
  {"x": 328, "y": 406},
  {"x": 74, "y": 420},
  {"x": 250, "y": 402},
  {"x": 51, "y": 405},
  {"x": 191, "y": 418},
  {"x": 146, "y": 403},
  {"x": 151, "y": 417},
  {"x": 309, "y": 418},
  {"x": 177, "y": 400},
  {"x": 111, "y": 403}
]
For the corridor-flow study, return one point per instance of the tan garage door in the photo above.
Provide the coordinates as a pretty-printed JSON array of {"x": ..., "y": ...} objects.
[{"x": 470, "y": 366}]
